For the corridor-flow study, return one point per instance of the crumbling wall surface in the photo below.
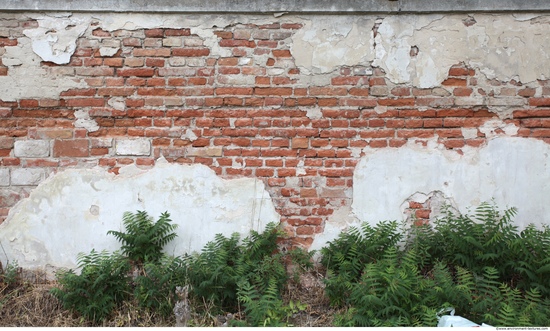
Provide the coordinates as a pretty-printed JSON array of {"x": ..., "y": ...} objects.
[
  {"x": 73, "y": 210},
  {"x": 321, "y": 120}
]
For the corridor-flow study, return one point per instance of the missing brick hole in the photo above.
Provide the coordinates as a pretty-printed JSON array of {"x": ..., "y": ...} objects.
[
  {"x": 469, "y": 21},
  {"x": 414, "y": 51}
]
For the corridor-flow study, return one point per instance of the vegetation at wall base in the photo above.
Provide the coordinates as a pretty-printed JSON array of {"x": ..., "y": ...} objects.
[
  {"x": 479, "y": 264},
  {"x": 387, "y": 274}
]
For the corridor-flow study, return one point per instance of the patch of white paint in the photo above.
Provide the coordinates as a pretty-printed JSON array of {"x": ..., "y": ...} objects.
[
  {"x": 55, "y": 38},
  {"x": 189, "y": 135},
  {"x": 108, "y": 51},
  {"x": 314, "y": 113},
  {"x": 83, "y": 120},
  {"x": 117, "y": 103},
  {"x": 328, "y": 42},
  {"x": 133, "y": 147},
  {"x": 72, "y": 211},
  {"x": 27, "y": 79},
  {"x": 341, "y": 220},
  {"x": 496, "y": 127},
  {"x": 512, "y": 171},
  {"x": 500, "y": 46}
]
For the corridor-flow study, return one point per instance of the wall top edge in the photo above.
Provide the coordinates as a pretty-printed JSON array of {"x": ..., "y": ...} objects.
[{"x": 278, "y": 6}]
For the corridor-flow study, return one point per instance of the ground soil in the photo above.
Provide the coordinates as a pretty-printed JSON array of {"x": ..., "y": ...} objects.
[{"x": 28, "y": 303}]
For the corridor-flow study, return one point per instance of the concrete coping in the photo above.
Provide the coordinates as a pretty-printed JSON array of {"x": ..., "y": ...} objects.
[{"x": 278, "y": 6}]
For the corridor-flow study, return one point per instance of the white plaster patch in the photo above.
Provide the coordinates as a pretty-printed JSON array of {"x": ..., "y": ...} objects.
[
  {"x": 4, "y": 177},
  {"x": 55, "y": 38},
  {"x": 500, "y": 46},
  {"x": 108, "y": 51},
  {"x": 328, "y": 42},
  {"x": 341, "y": 220},
  {"x": 27, "y": 79},
  {"x": 512, "y": 171},
  {"x": 72, "y": 211},
  {"x": 495, "y": 128},
  {"x": 190, "y": 135},
  {"x": 117, "y": 103},
  {"x": 83, "y": 120},
  {"x": 314, "y": 113},
  {"x": 135, "y": 147}
]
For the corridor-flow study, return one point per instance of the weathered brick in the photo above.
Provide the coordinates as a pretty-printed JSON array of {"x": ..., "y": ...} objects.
[
  {"x": 133, "y": 147},
  {"x": 71, "y": 148},
  {"x": 27, "y": 176},
  {"x": 31, "y": 148}
]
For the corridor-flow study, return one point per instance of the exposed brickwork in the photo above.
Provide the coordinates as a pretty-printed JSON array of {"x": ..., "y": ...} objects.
[{"x": 249, "y": 114}]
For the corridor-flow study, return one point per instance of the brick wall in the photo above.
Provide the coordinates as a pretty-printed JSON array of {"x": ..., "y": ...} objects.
[{"x": 161, "y": 92}]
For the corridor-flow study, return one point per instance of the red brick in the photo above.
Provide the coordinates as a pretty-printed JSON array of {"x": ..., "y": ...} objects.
[
  {"x": 458, "y": 71},
  {"x": 71, "y": 148},
  {"x": 273, "y": 91},
  {"x": 401, "y": 91},
  {"x": 281, "y": 53},
  {"x": 153, "y": 52},
  {"x": 78, "y": 92},
  {"x": 7, "y": 42},
  {"x": 396, "y": 102},
  {"x": 345, "y": 80},
  {"x": 454, "y": 82},
  {"x": 154, "y": 33},
  {"x": 190, "y": 52},
  {"x": 462, "y": 91},
  {"x": 356, "y": 91},
  {"x": 85, "y": 102},
  {"x": 237, "y": 43},
  {"x": 101, "y": 33},
  {"x": 224, "y": 34},
  {"x": 113, "y": 62},
  {"x": 137, "y": 72},
  {"x": 539, "y": 102},
  {"x": 115, "y": 91},
  {"x": 177, "y": 32}
]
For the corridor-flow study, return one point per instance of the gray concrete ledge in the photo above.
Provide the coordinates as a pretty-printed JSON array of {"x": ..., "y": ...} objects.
[{"x": 278, "y": 6}]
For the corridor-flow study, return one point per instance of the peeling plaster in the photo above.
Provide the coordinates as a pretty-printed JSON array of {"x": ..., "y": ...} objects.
[
  {"x": 329, "y": 42},
  {"x": 83, "y": 120},
  {"x": 507, "y": 169},
  {"x": 502, "y": 47},
  {"x": 72, "y": 211},
  {"x": 27, "y": 79},
  {"x": 55, "y": 38}
]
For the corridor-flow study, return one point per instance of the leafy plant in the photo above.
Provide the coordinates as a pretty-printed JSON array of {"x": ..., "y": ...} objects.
[
  {"x": 11, "y": 275},
  {"x": 105, "y": 279},
  {"x": 229, "y": 272},
  {"x": 346, "y": 256},
  {"x": 479, "y": 264},
  {"x": 144, "y": 238},
  {"x": 102, "y": 285},
  {"x": 155, "y": 288}
]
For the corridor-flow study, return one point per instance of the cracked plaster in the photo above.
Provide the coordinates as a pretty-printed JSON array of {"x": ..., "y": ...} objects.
[
  {"x": 507, "y": 169},
  {"x": 71, "y": 212},
  {"x": 502, "y": 47}
]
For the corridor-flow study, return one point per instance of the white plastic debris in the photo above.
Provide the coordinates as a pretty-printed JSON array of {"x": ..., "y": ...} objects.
[{"x": 455, "y": 321}]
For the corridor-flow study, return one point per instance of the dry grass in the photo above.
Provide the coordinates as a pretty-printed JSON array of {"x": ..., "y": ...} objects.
[{"x": 28, "y": 303}]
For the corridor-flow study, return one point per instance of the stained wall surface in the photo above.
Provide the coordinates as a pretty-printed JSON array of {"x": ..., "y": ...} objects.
[{"x": 230, "y": 121}]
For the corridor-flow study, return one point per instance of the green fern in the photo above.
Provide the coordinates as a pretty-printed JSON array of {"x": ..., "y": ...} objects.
[
  {"x": 101, "y": 286},
  {"x": 230, "y": 272},
  {"x": 479, "y": 264},
  {"x": 144, "y": 238}
]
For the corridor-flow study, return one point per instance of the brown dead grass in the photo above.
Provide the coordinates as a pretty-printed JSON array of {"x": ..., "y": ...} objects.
[{"x": 28, "y": 303}]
